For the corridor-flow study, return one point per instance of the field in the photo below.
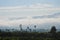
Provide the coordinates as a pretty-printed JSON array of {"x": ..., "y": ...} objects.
[
  {"x": 25, "y": 35},
  {"x": 29, "y": 36},
  {"x": 26, "y": 38}
]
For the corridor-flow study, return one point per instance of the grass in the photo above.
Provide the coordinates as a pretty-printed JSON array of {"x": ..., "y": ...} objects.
[{"x": 25, "y": 38}]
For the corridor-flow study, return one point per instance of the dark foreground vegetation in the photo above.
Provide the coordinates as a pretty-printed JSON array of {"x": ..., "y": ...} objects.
[{"x": 19, "y": 35}]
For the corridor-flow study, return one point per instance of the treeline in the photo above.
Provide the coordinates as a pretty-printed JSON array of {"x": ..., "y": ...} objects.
[{"x": 25, "y": 34}]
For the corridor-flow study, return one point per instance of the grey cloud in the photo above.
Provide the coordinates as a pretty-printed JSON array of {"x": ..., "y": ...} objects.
[
  {"x": 55, "y": 15},
  {"x": 17, "y": 18}
]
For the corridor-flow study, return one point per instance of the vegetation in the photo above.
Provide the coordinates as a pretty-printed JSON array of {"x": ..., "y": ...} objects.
[
  {"x": 53, "y": 29},
  {"x": 25, "y": 35}
]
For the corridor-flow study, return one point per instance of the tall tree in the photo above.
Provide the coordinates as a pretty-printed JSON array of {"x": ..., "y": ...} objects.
[
  {"x": 0, "y": 30},
  {"x": 20, "y": 27},
  {"x": 35, "y": 27},
  {"x": 53, "y": 29},
  {"x": 27, "y": 28},
  {"x": 7, "y": 30}
]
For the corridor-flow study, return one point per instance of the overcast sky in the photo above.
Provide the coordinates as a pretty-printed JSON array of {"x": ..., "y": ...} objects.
[
  {"x": 17, "y": 8},
  {"x": 28, "y": 7}
]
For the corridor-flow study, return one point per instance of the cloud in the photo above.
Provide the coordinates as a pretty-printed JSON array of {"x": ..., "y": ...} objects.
[
  {"x": 11, "y": 15},
  {"x": 17, "y": 18},
  {"x": 33, "y": 7},
  {"x": 54, "y": 15},
  {"x": 28, "y": 20},
  {"x": 38, "y": 5}
]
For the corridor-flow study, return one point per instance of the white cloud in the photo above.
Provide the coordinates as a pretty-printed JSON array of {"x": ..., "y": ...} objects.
[
  {"x": 29, "y": 21},
  {"x": 37, "y": 5},
  {"x": 33, "y": 7},
  {"x": 31, "y": 10}
]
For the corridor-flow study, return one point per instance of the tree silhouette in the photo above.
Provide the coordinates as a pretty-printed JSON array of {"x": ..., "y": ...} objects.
[
  {"x": 7, "y": 30},
  {"x": 35, "y": 27},
  {"x": 27, "y": 28},
  {"x": 30, "y": 30},
  {"x": 20, "y": 27},
  {"x": 53, "y": 29},
  {"x": 0, "y": 30},
  {"x": 12, "y": 29}
]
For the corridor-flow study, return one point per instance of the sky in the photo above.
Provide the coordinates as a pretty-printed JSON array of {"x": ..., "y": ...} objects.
[
  {"x": 27, "y": 2},
  {"x": 28, "y": 7},
  {"x": 21, "y": 11}
]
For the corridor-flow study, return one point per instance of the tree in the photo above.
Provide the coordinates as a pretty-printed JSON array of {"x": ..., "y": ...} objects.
[
  {"x": 7, "y": 30},
  {"x": 53, "y": 29},
  {"x": 30, "y": 30},
  {"x": 20, "y": 27},
  {"x": 0, "y": 30},
  {"x": 35, "y": 27},
  {"x": 12, "y": 29},
  {"x": 27, "y": 28}
]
